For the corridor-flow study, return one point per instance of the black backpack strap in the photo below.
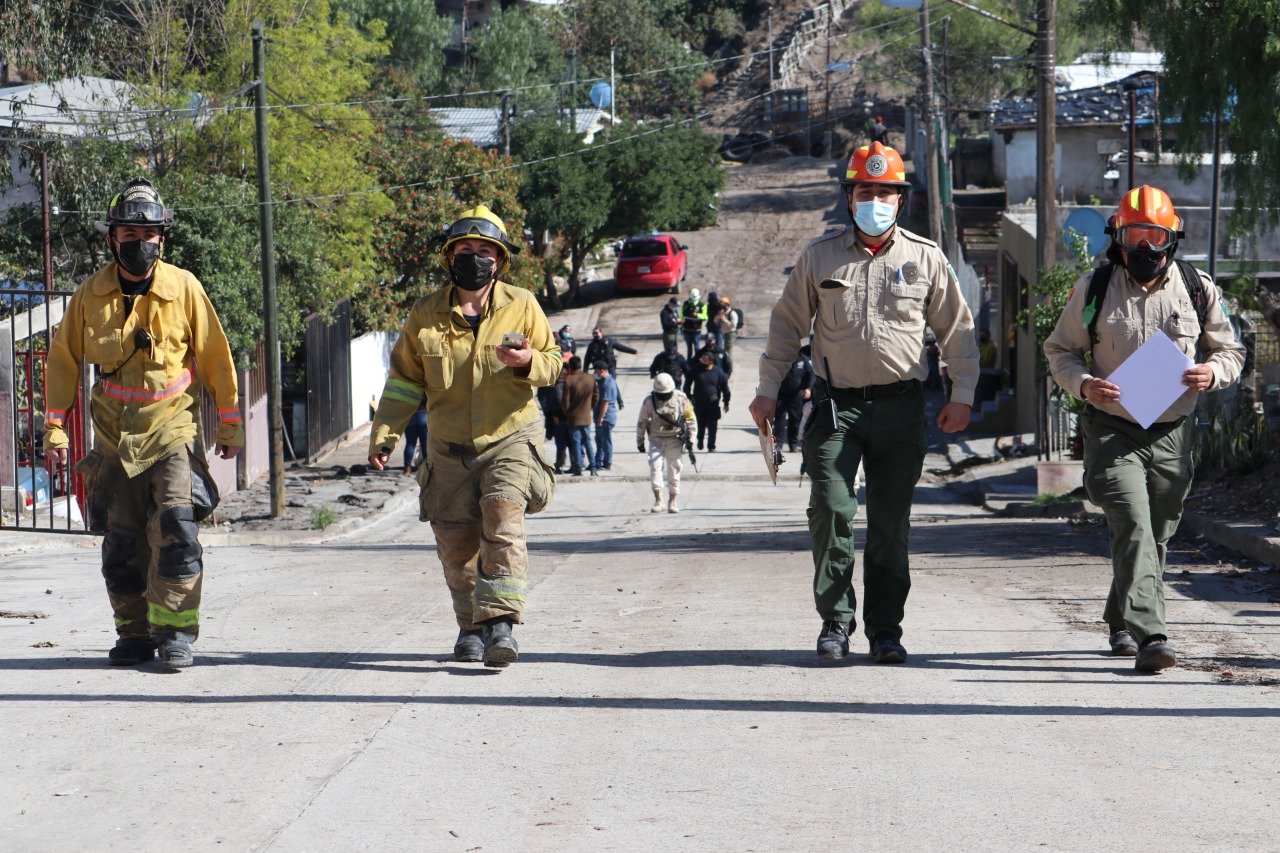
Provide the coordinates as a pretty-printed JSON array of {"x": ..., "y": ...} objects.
[
  {"x": 1195, "y": 287},
  {"x": 1093, "y": 299}
]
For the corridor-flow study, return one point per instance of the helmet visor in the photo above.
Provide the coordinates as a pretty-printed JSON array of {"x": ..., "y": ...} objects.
[
  {"x": 139, "y": 211},
  {"x": 1145, "y": 236},
  {"x": 475, "y": 228}
]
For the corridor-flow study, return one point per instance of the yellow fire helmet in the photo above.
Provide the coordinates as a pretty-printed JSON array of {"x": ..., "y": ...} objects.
[{"x": 478, "y": 223}]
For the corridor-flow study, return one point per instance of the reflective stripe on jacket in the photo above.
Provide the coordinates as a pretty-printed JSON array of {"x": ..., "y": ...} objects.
[
  {"x": 145, "y": 400},
  {"x": 472, "y": 398}
]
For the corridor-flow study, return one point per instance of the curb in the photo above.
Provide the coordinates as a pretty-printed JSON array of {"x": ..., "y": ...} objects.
[
  {"x": 1256, "y": 541},
  {"x": 346, "y": 527}
]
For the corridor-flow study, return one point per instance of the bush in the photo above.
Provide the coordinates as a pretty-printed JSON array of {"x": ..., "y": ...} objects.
[
  {"x": 322, "y": 516},
  {"x": 1235, "y": 445}
]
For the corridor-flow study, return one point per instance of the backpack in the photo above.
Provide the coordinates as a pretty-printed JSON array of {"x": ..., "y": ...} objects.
[{"x": 1097, "y": 294}]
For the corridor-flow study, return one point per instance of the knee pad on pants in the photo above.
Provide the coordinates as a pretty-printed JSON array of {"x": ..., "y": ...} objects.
[
  {"x": 179, "y": 555},
  {"x": 117, "y": 552}
]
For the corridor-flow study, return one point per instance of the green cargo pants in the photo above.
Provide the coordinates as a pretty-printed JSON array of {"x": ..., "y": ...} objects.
[
  {"x": 476, "y": 504},
  {"x": 1139, "y": 478},
  {"x": 886, "y": 435},
  {"x": 152, "y": 560}
]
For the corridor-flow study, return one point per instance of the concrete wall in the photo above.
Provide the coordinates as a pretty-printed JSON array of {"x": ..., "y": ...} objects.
[
  {"x": 1082, "y": 154},
  {"x": 370, "y": 364}
]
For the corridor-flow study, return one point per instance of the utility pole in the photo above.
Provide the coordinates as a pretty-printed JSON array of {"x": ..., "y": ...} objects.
[
  {"x": 1133, "y": 134},
  {"x": 573, "y": 90},
  {"x": 1213, "y": 202},
  {"x": 1046, "y": 137},
  {"x": 275, "y": 416},
  {"x": 613, "y": 91},
  {"x": 930, "y": 131},
  {"x": 504, "y": 121},
  {"x": 769, "y": 25},
  {"x": 46, "y": 238},
  {"x": 826, "y": 94}
]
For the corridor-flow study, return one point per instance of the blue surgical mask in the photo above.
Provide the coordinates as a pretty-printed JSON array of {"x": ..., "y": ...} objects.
[{"x": 875, "y": 217}]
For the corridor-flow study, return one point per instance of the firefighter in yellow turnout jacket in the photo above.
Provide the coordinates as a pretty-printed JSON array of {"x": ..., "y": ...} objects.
[
  {"x": 476, "y": 351},
  {"x": 155, "y": 339}
]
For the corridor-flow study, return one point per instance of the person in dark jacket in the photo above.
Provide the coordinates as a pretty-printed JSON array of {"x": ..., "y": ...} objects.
[
  {"x": 719, "y": 356},
  {"x": 796, "y": 388},
  {"x": 670, "y": 319},
  {"x": 604, "y": 348},
  {"x": 670, "y": 362},
  {"x": 710, "y": 387}
]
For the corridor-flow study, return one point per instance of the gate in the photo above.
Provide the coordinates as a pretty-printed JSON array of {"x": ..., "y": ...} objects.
[
  {"x": 31, "y": 497},
  {"x": 328, "y": 379}
]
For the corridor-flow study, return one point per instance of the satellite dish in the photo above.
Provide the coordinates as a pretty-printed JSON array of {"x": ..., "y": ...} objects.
[
  {"x": 601, "y": 95},
  {"x": 1091, "y": 224}
]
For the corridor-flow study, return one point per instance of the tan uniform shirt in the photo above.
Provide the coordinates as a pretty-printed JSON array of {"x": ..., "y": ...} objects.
[
  {"x": 868, "y": 315},
  {"x": 661, "y": 420},
  {"x": 1128, "y": 316},
  {"x": 472, "y": 398}
]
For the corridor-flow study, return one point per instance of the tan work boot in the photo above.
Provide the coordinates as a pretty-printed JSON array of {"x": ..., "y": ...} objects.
[
  {"x": 674, "y": 506},
  {"x": 657, "y": 501}
]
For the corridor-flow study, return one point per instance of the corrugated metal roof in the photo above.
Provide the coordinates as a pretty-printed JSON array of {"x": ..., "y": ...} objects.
[
  {"x": 75, "y": 106},
  {"x": 1100, "y": 105}
]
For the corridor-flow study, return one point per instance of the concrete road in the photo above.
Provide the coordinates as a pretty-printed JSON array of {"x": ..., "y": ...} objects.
[{"x": 667, "y": 695}]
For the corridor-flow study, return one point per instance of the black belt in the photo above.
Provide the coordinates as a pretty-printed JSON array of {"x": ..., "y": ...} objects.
[{"x": 874, "y": 392}]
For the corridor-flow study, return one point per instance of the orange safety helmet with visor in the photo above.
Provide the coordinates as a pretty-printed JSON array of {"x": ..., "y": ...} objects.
[{"x": 1145, "y": 219}]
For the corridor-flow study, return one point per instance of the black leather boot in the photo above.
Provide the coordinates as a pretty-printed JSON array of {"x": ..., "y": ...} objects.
[{"x": 500, "y": 647}]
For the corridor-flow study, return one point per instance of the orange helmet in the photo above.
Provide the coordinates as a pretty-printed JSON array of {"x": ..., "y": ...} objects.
[
  {"x": 876, "y": 163},
  {"x": 1145, "y": 215}
]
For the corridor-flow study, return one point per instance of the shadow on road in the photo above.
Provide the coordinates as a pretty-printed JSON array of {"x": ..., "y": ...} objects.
[{"x": 676, "y": 703}]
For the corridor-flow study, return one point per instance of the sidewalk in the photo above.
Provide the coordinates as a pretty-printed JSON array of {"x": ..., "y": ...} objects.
[{"x": 1007, "y": 487}]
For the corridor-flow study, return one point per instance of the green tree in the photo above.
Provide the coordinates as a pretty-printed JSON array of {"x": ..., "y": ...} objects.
[
  {"x": 666, "y": 179},
  {"x": 434, "y": 179},
  {"x": 1211, "y": 67},
  {"x": 318, "y": 152},
  {"x": 417, "y": 35},
  {"x": 887, "y": 40},
  {"x": 517, "y": 48},
  {"x": 567, "y": 195}
]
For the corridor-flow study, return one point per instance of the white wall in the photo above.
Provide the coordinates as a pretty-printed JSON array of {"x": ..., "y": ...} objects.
[{"x": 370, "y": 364}]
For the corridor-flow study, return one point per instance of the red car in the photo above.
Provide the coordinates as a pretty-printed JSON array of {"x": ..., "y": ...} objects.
[{"x": 651, "y": 262}]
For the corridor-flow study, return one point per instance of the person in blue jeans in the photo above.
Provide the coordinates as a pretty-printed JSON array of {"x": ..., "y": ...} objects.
[
  {"x": 606, "y": 415},
  {"x": 415, "y": 436}
]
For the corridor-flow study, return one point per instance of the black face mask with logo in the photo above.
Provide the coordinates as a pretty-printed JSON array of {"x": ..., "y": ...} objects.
[
  {"x": 137, "y": 256},
  {"x": 1143, "y": 264},
  {"x": 472, "y": 272}
]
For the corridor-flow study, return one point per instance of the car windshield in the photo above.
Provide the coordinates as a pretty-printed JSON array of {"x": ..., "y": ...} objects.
[{"x": 644, "y": 249}]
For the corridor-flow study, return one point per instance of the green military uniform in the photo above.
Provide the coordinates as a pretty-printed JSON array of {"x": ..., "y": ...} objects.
[
  {"x": 485, "y": 465},
  {"x": 1139, "y": 477},
  {"x": 868, "y": 315}
]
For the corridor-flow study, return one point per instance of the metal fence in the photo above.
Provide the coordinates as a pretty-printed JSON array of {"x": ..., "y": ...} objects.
[
  {"x": 328, "y": 379},
  {"x": 32, "y": 497}
]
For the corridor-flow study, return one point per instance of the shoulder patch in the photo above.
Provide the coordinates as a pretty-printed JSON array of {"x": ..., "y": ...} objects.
[
  {"x": 916, "y": 238},
  {"x": 830, "y": 235}
]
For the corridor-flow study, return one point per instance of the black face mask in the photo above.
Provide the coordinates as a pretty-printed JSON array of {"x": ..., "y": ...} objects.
[
  {"x": 1143, "y": 264},
  {"x": 472, "y": 272},
  {"x": 137, "y": 256},
  {"x": 662, "y": 397}
]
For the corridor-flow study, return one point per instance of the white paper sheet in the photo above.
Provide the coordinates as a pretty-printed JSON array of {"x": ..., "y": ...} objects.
[{"x": 1150, "y": 380}]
